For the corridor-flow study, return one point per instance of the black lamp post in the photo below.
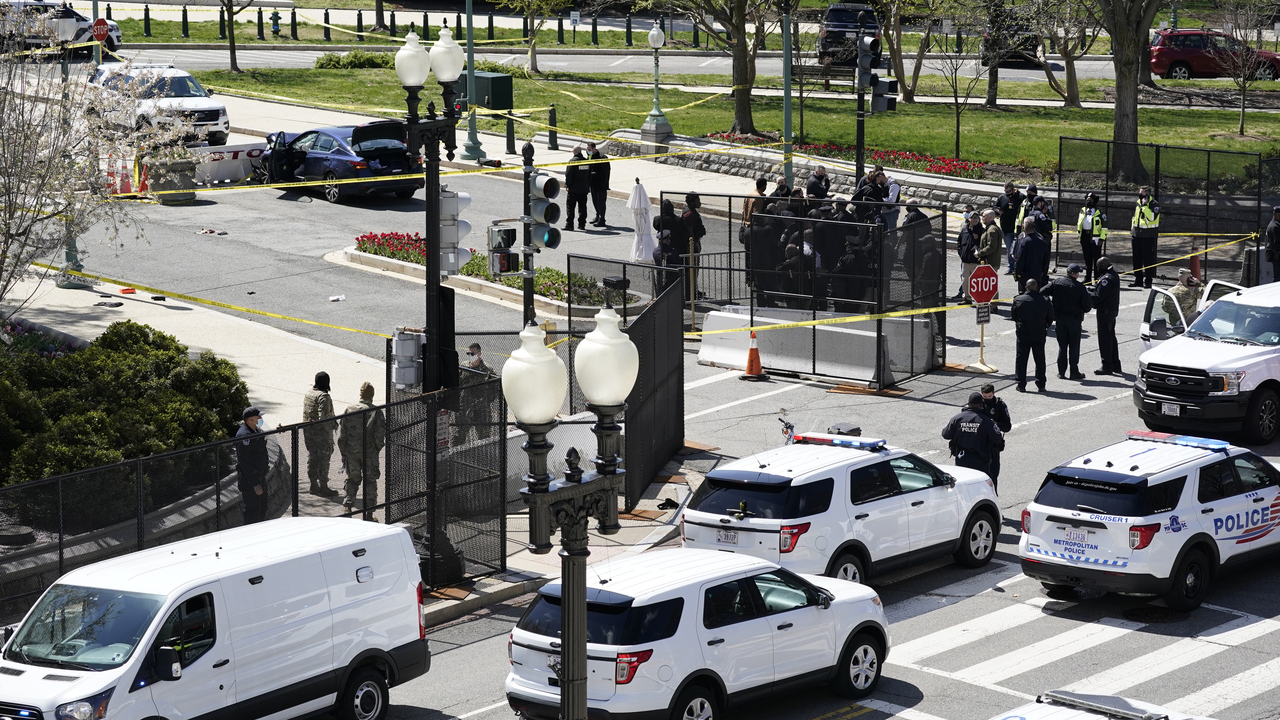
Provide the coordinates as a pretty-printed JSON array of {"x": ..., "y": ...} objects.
[
  {"x": 534, "y": 382},
  {"x": 413, "y": 66}
]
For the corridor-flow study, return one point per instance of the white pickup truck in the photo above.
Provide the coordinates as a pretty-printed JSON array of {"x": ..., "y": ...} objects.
[{"x": 1217, "y": 371}]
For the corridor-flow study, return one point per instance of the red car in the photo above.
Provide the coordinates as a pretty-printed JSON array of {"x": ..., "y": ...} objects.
[{"x": 1186, "y": 54}]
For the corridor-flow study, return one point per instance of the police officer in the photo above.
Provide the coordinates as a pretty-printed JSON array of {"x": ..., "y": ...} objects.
[
  {"x": 1034, "y": 314},
  {"x": 1093, "y": 232},
  {"x": 1106, "y": 306},
  {"x": 1032, "y": 255},
  {"x": 995, "y": 409},
  {"x": 1144, "y": 231},
  {"x": 598, "y": 173},
  {"x": 317, "y": 405},
  {"x": 251, "y": 466},
  {"x": 1071, "y": 302},
  {"x": 360, "y": 439},
  {"x": 974, "y": 436},
  {"x": 1272, "y": 238}
]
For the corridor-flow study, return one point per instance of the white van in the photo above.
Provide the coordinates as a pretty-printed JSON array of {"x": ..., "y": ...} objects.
[{"x": 278, "y": 619}]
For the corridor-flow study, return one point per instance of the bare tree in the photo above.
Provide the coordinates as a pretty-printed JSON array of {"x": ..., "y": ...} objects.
[
  {"x": 1236, "y": 51},
  {"x": 893, "y": 12},
  {"x": 56, "y": 139},
  {"x": 999, "y": 43},
  {"x": 535, "y": 13},
  {"x": 1072, "y": 26},
  {"x": 962, "y": 75},
  {"x": 734, "y": 16},
  {"x": 232, "y": 8},
  {"x": 1128, "y": 23}
]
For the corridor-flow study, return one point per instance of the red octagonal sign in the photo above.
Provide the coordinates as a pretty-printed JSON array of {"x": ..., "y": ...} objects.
[
  {"x": 100, "y": 30},
  {"x": 984, "y": 283}
]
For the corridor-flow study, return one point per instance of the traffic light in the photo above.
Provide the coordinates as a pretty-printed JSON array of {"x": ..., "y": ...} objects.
[
  {"x": 543, "y": 213},
  {"x": 503, "y": 261},
  {"x": 884, "y": 96},
  {"x": 452, "y": 230},
  {"x": 869, "y": 58}
]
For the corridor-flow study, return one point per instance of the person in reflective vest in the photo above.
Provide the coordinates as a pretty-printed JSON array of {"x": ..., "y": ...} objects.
[
  {"x": 1144, "y": 231},
  {"x": 1093, "y": 233}
]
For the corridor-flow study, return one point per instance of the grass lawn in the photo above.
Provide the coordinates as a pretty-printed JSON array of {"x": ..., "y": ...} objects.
[{"x": 1011, "y": 136}]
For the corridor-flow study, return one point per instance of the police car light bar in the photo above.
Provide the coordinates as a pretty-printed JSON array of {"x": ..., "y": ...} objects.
[
  {"x": 857, "y": 443},
  {"x": 1184, "y": 440}
]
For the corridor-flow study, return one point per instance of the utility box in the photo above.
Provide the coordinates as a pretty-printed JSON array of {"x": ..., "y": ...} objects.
[{"x": 493, "y": 90}]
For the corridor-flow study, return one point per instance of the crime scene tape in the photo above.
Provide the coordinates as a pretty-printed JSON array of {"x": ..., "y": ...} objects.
[
  {"x": 203, "y": 301},
  {"x": 332, "y": 106},
  {"x": 637, "y": 114},
  {"x": 1197, "y": 253},
  {"x": 58, "y": 49}
]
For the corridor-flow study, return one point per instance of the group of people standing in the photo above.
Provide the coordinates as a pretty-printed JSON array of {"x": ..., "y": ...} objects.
[{"x": 581, "y": 181}]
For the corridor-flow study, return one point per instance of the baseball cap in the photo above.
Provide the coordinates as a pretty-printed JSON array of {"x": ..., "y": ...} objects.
[
  {"x": 251, "y": 411},
  {"x": 975, "y": 398},
  {"x": 1075, "y": 268}
]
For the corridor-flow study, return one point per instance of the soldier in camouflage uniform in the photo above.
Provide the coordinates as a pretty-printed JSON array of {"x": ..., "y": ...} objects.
[
  {"x": 362, "y": 459},
  {"x": 317, "y": 405}
]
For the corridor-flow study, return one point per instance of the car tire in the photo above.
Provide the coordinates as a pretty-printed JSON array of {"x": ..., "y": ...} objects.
[
  {"x": 1179, "y": 71},
  {"x": 332, "y": 193},
  {"x": 1190, "y": 582},
  {"x": 1266, "y": 72},
  {"x": 110, "y": 44},
  {"x": 1263, "y": 417},
  {"x": 365, "y": 697},
  {"x": 406, "y": 194},
  {"x": 859, "y": 671},
  {"x": 978, "y": 541},
  {"x": 848, "y": 567},
  {"x": 695, "y": 703}
]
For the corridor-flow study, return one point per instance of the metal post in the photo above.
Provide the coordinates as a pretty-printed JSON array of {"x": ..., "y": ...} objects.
[
  {"x": 217, "y": 487},
  {"x": 573, "y": 625},
  {"x": 146, "y": 21},
  {"x": 524, "y": 28},
  {"x": 294, "y": 457},
  {"x": 457, "y": 23},
  {"x": 142, "y": 504},
  {"x": 490, "y": 25},
  {"x": 327, "y": 36},
  {"x": 222, "y": 24},
  {"x": 426, "y": 27},
  {"x": 786, "y": 98},
  {"x": 628, "y": 29},
  {"x": 185, "y": 31},
  {"x": 595, "y": 40},
  {"x": 471, "y": 149},
  {"x": 530, "y": 317},
  {"x": 553, "y": 137},
  {"x": 359, "y": 24},
  {"x": 559, "y": 29},
  {"x": 108, "y": 9},
  {"x": 261, "y": 34},
  {"x": 511, "y": 134},
  {"x": 862, "y": 127},
  {"x": 71, "y": 256},
  {"x": 293, "y": 24},
  {"x": 696, "y": 43},
  {"x": 431, "y": 328},
  {"x": 61, "y": 531},
  {"x": 662, "y": 23},
  {"x": 97, "y": 49}
]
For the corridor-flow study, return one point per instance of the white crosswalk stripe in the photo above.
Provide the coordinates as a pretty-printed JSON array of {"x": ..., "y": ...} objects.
[
  {"x": 954, "y": 593},
  {"x": 976, "y": 629},
  {"x": 1234, "y": 690},
  {"x": 1052, "y": 649},
  {"x": 897, "y": 710}
]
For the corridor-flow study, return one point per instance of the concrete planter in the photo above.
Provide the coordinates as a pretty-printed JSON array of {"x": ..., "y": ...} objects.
[{"x": 165, "y": 176}]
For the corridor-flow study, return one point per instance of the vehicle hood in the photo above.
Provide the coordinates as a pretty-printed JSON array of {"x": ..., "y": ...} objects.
[
  {"x": 843, "y": 590},
  {"x": 1211, "y": 355},
  {"x": 33, "y": 689},
  {"x": 964, "y": 475},
  {"x": 184, "y": 104},
  {"x": 384, "y": 130}
]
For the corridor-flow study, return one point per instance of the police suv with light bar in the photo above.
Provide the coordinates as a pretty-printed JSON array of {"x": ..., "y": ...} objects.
[
  {"x": 847, "y": 507},
  {"x": 1155, "y": 514}
]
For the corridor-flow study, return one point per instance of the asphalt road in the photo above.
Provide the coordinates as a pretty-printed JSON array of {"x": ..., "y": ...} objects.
[{"x": 639, "y": 62}]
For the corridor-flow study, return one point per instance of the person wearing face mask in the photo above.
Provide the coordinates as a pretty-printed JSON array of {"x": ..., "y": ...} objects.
[
  {"x": 967, "y": 247},
  {"x": 1093, "y": 232},
  {"x": 474, "y": 361},
  {"x": 1144, "y": 231},
  {"x": 251, "y": 466},
  {"x": 473, "y": 418},
  {"x": 316, "y": 406},
  {"x": 361, "y": 435}
]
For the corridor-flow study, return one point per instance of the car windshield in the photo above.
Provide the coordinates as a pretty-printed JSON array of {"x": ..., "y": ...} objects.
[
  {"x": 83, "y": 628},
  {"x": 848, "y": 17},
  {"x": 167, "y": 87},
  {"x": 1232, "y": 322}
]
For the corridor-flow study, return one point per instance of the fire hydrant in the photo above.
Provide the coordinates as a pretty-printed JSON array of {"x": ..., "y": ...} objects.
[{"x": 275, "y": 22}]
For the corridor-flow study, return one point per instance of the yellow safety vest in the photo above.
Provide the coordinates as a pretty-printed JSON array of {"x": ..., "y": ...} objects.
[
  {"x": 1144, "y": 218},
  {"x": 1098, "y": 229}
]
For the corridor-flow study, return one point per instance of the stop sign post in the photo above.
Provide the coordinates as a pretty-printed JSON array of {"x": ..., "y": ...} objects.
[
  {"x": 984, "y": 283},
  {"x": 100, "y": 30}
]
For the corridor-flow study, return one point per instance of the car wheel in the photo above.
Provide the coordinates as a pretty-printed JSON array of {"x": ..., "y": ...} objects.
[
  {"x": 365, "y": 697},
  {"x": 1263, "y": 418},
  {"x": 859, "y": 670},
  {"x": 1266, "y": 71},
  {"x": 1190, "y": 582},
  {"x": 332, "y": 193},
  {"x": 1178, "y": 71},
  {"x": 978, "y": 541},
  {"x": 848, "y": 567},
  {"x": 406, "y": 194},
  {"x": 111, "y": 44},
  {"x": 695, "y": 703}
]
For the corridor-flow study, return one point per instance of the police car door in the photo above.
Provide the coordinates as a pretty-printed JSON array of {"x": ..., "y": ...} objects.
[
  {"x": 1223, "y": 506},
  {"x": 879, "y": 511},
  {"x": 1163, "y": 319},
  {"x": 1214, "y": 290},
  {"x": 1259, "y": 511}
]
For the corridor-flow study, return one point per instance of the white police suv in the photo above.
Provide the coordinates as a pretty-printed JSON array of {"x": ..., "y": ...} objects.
[
  {"x": 847, "y": 507},
  {"x": 690, "y": 634},
  {"x": 1155, "y": 514}
]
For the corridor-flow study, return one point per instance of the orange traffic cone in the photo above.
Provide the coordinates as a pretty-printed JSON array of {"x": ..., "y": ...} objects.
[
  {"x": 1195, "y": 263},
  {"x": 754, "y": 370}
]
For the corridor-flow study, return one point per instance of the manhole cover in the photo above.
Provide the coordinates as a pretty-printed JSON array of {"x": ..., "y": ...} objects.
[{"x": 1155, "y": 614}]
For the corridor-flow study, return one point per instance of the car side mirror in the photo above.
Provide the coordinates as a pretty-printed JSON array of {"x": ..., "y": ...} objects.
[
  {"x": 168, "y": 666},
  {"x": 7, "y": 633},
  {"x": 208, "y": 92},
  {"x": 1159, "y": 329},
  {"x": 824, "y": 601},
  {"x": 951, "y": 481}
]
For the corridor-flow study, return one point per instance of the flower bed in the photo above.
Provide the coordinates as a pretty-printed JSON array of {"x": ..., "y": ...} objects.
[
  {"x": 17, "y": 338},
  {"x": 894, "y": 158}
]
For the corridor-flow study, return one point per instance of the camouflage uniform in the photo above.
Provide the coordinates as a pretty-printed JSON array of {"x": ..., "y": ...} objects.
[
  {"x": 317, "y": 405},
  {"x": 362, "y": 460},
  {"x": 471, "y": 418},
  {"x": 1187, "y": 297}
]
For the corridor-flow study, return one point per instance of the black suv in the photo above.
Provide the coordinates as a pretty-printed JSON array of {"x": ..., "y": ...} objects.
[
  {"x": 1020, "y": 43},
  {"x": 838, "y": 36}
]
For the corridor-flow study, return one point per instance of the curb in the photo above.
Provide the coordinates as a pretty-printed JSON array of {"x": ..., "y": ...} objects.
[{"x": 442, "y": 612}]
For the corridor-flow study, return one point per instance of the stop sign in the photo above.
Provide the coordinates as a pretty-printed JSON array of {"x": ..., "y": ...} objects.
[
  {"x": 983, "y": 284},
  {"x": 100, "y": 30}
]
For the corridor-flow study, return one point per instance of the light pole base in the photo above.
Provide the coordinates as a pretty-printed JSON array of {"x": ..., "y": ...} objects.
[
  {"x": 70, "y": 282},
  {"x": 471, "y": 149},
  {"x": 981, "y": 368},
  {"x": 653, "y": 133}
]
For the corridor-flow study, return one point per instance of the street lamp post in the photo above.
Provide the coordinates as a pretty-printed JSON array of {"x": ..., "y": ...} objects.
[
  {"x": 471, "y": 149},
  {"x": 534, "y": 382},
  {"x": 785, "y": 6},
  {"x": 65, "y": 26},
  {"x": 413, "y": 67},
  {"x": 655, "y": 129}
]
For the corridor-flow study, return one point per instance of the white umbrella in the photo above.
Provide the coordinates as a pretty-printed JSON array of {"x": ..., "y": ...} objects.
[{"x": 640, "y": 204}]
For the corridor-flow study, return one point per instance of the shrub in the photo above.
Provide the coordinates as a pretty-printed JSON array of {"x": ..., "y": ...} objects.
[
  {"x": 355, "y": 60},
  {"x": 493, "y": 66}
]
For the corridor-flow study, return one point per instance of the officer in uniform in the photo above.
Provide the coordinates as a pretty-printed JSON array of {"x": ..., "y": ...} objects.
[
  {"x": 1071, "y": 302},
  {"x": 1106, "y": 306},
  {"x": 317, "y": 405},
  {"x": 995, "y": 409},
  {"x": 251, "y": 466},
  {"x": 360, "y": 438},
  {"x": 1093, "y": 232},
  {"x": 1144, "y": 231},
  {"x": 974, "y": 437},
  {"x": 1034, "y": 314}
]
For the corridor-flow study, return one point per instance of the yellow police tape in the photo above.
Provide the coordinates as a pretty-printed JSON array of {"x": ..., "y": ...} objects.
[
  {"x": 58, "y": 49},
  {"x": 637, "y": 114},
  {"x": 202, "y": 301}
]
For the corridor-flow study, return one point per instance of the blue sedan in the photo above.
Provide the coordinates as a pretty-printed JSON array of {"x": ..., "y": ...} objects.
[{"x": 373, "y": 150}]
